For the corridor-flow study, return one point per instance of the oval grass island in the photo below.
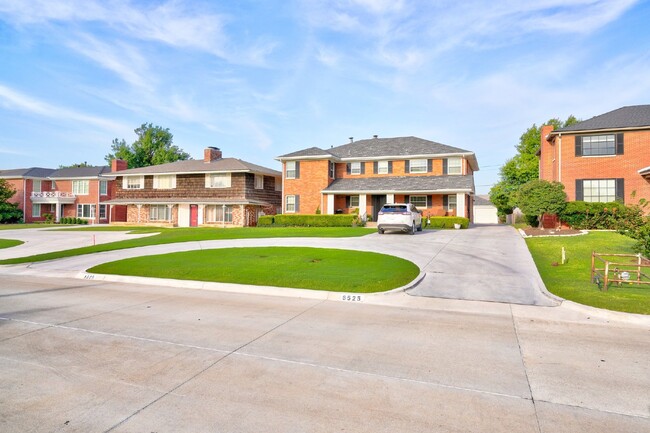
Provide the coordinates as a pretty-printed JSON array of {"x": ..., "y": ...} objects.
[{"x": 295, "y": 267}]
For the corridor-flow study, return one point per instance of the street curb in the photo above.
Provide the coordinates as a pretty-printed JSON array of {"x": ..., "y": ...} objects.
[{"x": 609, "y": 315}]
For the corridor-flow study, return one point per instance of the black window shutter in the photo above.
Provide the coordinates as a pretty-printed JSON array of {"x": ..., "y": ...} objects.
[
  {"x": 579, "y": 195},
  {"x": 429, "y": 165},
  {"x": 445, "y": 200},
  {"x": 297, "y": 204},
  {"x": 619, "y": 144},
  {"x": 407, "y": 166},
  {"x": 363, "y": 167},
  {"x": 375, "y": 167},
  {"x": 297, "y": 169},
  {"x": 390, "y": 167},
  {"x": 578, "y": 146},
  {"x": 620, "y": 190},
  {"x": 348, "y": 168},
  {"x": 445, "y": 170},
  {"x": 347, "y": 201},
  {"x": 429, "y": 201},
  {"x": 406, "y": 198}
]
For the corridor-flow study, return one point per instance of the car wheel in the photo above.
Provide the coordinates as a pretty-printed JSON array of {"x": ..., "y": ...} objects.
[
  {"x": 380, "y": 231},
  {"x": 413, "y": 228},
  {"x": 420, "y": 227}
]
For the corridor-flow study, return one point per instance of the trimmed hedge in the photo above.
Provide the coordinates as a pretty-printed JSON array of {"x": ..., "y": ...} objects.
[
  {"x": 306, "y": 220},
  {"x": 594, "y": 216},
  {"x": 445, "y": 222}
]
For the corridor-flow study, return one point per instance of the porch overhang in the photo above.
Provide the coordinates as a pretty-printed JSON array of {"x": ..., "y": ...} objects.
[{"x": 53, "y": 197}]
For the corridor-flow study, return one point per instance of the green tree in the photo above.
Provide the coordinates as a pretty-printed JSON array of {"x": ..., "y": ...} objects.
[
  {"x": 153, "y": 147},
  {"x": 523, "y": 167},
  {"x": 9, "y": 212},
  {"x": 79, "y": 164},
  {"x": 537, "y": 197}
]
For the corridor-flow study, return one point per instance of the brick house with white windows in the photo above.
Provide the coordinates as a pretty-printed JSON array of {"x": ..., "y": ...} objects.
[
  {"x": 68, "y": 192},
  {"x": 365, "y": 174},
  {"x": 214, "y": 191},
  {"x": 603, "y": 159}
]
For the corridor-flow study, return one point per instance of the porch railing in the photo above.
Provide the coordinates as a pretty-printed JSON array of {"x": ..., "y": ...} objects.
[{"x": 53, "y": 194}]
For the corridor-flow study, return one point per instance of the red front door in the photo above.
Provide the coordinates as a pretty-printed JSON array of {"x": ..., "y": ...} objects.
[{"x": 194, "y": 215}]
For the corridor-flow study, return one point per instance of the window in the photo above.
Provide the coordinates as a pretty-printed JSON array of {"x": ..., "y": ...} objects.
[
  {"x": 355, "y": 168},
  {"x": 160, "y": 212},
  {"x": 102, "y": 211},
  {"x": 332, "y": 168},
  {"x": 418, "y": 166},
  {"x": 133, "y": 182},
  {"x": 278, "y": 184},
  {"x": 291, "y": 170},
  {"x": 382, "y": 167},
  {"x": 450, "y": 202},
  {"x": 418, "y": 200},
  {"x": 218, "y": 180},
  {"x": 53, "y": 185},
  {"x": 103, "y": 187},
  {"x": 218, "y": 213},
  {"x": 259, "y": 181},
  {"x": 291, "y": 203},
  {"x": 454, "y": 166},
  {"x": 354, "y": 201},
  {"x": 602, "y": 190},
  {"x": 37, "y": 186},
  {"x": 86, "y": 211},
  {"x": 80, "y": 187},
  {"x": 595, "y": 145},
  {"x": 164, "y": 181},
  {"x": 36, "y": 210}
]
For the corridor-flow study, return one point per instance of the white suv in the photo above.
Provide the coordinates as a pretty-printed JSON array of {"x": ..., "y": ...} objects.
[{"x": 399, "y": 216}]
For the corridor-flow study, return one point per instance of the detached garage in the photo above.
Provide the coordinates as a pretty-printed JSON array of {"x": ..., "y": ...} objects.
[{"x": 484, "y": 211}]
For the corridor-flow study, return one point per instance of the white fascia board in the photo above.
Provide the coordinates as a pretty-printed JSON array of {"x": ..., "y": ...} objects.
[
  {"x": 644, "y": 170},
  {"x": 600, "y": 131},
  {"x": 73, "y": 178},
  {"x": 327, "y": 156},
  {"x": 403, "y": 157},
  {"x": 384, "y": 192}
]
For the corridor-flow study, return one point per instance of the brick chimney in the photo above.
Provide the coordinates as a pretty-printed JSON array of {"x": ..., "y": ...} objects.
[
  {"x": 119, "y": 165},
  {"x": 211, "y": 154}
]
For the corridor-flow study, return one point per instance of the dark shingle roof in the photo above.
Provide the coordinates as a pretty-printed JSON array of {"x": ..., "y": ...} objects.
[
  {"x": 199, "y": 166},
  {"x": 26, "y": 172},
  {"x": 312, "y": 151},
  {"x": 625, "y": 117},
  {"x": 72, "y": 172},
  {"x": 405, "y": 184},
  {"x": 481, "y": 200},
  {"x": 397, "y": 146}
]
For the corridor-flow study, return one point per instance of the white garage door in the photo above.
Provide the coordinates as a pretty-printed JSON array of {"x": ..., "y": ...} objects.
[{"x": 485, "y": 215}]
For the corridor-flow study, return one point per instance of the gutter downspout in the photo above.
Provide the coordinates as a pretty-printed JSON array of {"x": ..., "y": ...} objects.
[
  {"x": 24, "y": 200},
  {"x": 559, "y": 165}
]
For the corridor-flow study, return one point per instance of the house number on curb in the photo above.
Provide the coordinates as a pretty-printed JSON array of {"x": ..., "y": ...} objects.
[
  {"x": 89, "y": 277},
  {"x": 352, "y": 298}
]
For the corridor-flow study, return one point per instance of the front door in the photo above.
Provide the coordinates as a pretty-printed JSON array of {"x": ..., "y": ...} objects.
[
  {"x": 194, "y": 215},
  {"x": 377, "y": 202}
]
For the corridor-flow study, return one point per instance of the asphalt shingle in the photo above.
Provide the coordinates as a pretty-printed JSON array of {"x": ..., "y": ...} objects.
[
  {"x": 624, "y": 117},
  {"x": 405, "y": 184}
]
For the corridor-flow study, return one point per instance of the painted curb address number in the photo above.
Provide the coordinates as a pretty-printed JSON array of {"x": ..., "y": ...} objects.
[{"x": 352, "y": 298}]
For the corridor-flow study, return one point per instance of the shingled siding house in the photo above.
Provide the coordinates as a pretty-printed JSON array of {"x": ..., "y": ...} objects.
[
  {"x": 80, "y": 192},
  {"x": 215, "y": 191},
  {"x": 603, "y": 159},
  {"x": 366, "y": 174}
]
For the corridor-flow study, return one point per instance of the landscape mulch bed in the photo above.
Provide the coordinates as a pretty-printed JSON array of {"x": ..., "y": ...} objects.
[{"x": 550, "y": 232}]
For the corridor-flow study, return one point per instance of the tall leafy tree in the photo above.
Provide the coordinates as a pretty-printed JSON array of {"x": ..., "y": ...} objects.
[
  {"x": 153, "y": 147},
  {"x": 77, "y": 165},
  {"x": 537, "y": 197},
  {"x": 9, "y": 212},
  {"x": 523, "y": 167}
]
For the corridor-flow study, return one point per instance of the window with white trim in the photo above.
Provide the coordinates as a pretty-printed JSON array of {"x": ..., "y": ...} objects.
[
  {"x": 37, "y": 186},
  {"x": 290, "y": 171},
  {"x": 80, "y": 187},
  {"x": 278, "y": 184},
  {"x": 332, "y": 168},
  {"x": 382, "y": 167},
  {"x": 355, "y": 168},
  {"x": 103, "y": 187},
  {"x": 354, "y": 201},
  {"x": 36, "y": 210},
  {"x": 160, "y": 212},
  {"x": 418, "y": 200},
  {"x": 218, "y": 214},
  {"x": 452, "y": 202},
  {"x": 454, "y": 166},
  {"x": 418, "y": 166},
  {"x": 86, "y": 211},
  {"x": 133, "y": 182},
  {"x": 599, "y": 190},
  {"x": 259, "y": 181},
  {"x": 53, "y": 185},
  {"x": 596, "y": 145},
  {"x": 102, "y": 211},
  {"x": 164, "y": 181},
  {"x": 290, "y": 205},
  {"x": 218, "y": 180}
]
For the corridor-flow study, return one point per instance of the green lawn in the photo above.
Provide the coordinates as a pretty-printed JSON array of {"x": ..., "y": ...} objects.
[
  {"x": 172, "y": 235},
  {"x": 7, "y": 243},
  {"x": 25, "y": 226},
  {"x": 296, "y": 267},
  {"x": 572, "y": 280}
]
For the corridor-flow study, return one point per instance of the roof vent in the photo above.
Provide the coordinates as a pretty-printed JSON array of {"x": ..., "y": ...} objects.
[
  {"x": 375, "y": 136},
  {"x": 351, "y": 139}
]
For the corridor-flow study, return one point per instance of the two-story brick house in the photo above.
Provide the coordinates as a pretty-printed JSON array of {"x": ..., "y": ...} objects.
[
  {"x": 68, "y": 192},
  {"x": 214, "y": 191},
  {"x": 366, "y": 174},
  {"x": 603, "y": 159}
]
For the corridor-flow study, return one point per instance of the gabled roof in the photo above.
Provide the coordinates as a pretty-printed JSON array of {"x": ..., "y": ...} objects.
[
  {"x": 35, "y": 172},
  {"x": 223, "y": 165},
  {"x": 635, "y": 116},
  {"x": 80, "y": 172},
  {"x": 403, "y": 184},
  {"x": 482, "y": 200},
  {"x": 383, "y": 148}
]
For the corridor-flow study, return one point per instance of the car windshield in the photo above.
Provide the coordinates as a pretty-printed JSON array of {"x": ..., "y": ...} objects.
[{"x": 393, "y": 208}]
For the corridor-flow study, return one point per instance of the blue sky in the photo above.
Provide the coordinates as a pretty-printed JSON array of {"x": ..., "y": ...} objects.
[{"x": 262, "y": 78}]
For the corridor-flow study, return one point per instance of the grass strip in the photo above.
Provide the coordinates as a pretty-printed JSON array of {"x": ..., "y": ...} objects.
[
  {"x": 295, "y": 267},
  {"x": 572, "y": 280},
  {"x": 8, "y": 243},
  {"x": 173, "y": 235}
]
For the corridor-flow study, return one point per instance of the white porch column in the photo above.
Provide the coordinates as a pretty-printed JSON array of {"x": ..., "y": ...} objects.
[
  {"x": 390, "y": 198},
  {"x": 201, "y": 210},
  {"x": 58, "y": 211},
  {"x": 460, "y": 204},
  {"x": 330, "y": 204},
  {"x": 362, "y": 206}
]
